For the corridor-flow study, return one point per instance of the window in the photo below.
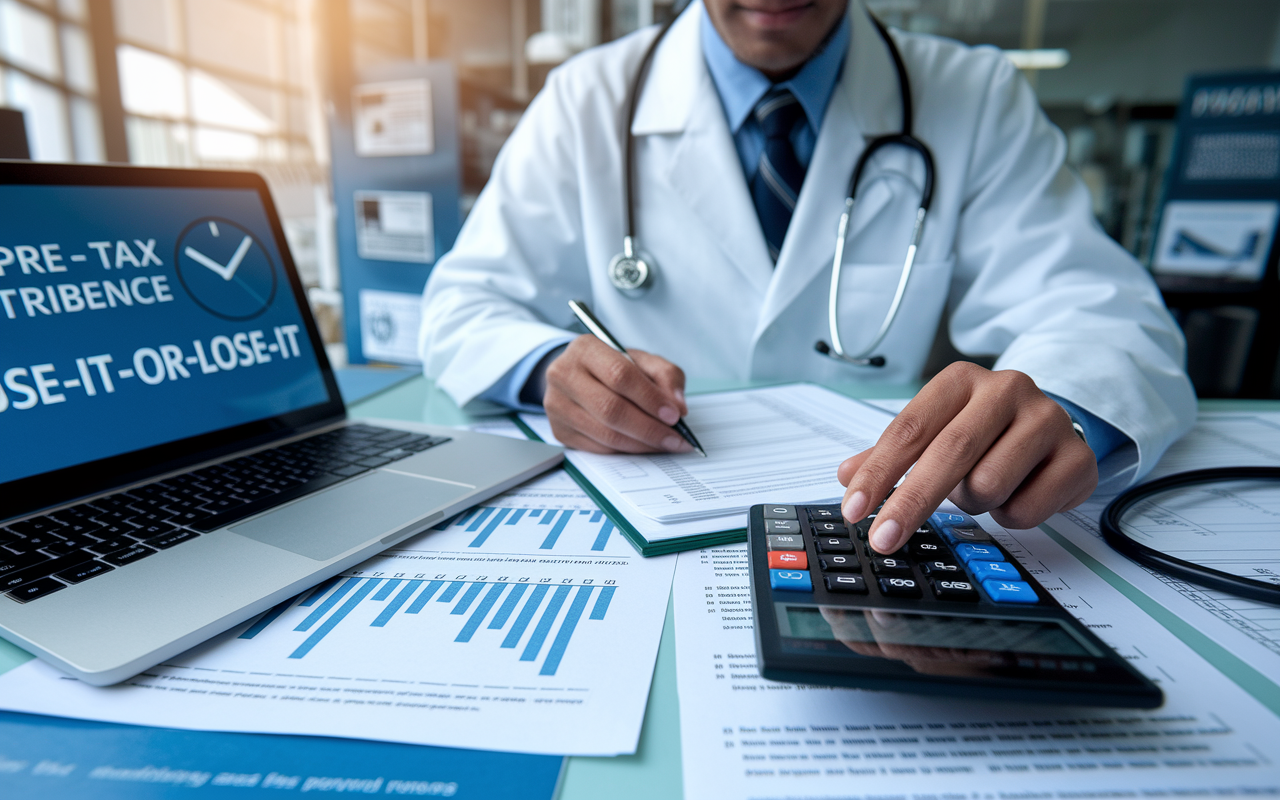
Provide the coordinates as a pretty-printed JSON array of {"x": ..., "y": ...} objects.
[
  {"x": 221, "y": 83},
  {"x": 46, "y": 71}
]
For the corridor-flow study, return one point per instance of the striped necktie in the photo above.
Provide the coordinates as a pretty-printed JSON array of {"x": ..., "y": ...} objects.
[{"x": 776, "y": 184}]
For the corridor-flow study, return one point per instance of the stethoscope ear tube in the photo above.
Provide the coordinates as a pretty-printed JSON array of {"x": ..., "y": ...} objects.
[
  {"x": 904, "y": 139},
  {"x": 1149, "y": 557}
]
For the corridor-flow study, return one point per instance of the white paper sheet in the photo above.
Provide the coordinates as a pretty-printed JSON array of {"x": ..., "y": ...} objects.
[
  {"x": 744, "y": 737},
  {"x": 1249, "y": 630},
  {"x": 530, "y": 625},
  {"x": 761, "y": 444}
]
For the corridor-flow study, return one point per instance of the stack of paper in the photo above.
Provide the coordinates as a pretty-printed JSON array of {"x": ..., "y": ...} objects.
[
  {"x": 525, "y": 625},
  {"x": 762, "y": 444}
]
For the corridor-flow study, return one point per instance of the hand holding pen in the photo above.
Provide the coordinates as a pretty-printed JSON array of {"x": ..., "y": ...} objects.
[{"x": 599, "y": 402}]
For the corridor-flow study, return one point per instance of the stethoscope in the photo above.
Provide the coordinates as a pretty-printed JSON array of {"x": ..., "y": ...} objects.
[
  {"x": 1153, "y": 558},
  {"x": 633, "y": 271}
]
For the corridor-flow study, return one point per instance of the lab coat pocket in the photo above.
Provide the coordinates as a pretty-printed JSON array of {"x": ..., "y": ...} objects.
[{"x": 866, "y": 294}]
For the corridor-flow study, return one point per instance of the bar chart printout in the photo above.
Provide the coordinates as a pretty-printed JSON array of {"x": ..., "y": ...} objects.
[
  {"x": 526, "y": 625},
  {"x": 514, "y": 607}
]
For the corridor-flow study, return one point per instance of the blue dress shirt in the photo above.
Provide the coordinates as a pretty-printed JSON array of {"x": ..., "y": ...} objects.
[{"x": 740, "y": 88}]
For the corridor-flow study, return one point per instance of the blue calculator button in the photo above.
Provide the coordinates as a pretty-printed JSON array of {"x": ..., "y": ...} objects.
[
  {"x": 791, "y": 580},
  {"x": 968, "y": 551},
  {"x": 942, "y": 520},
  {"x": 994, "y": 569},
  {"x": 1010, "y": 591}
]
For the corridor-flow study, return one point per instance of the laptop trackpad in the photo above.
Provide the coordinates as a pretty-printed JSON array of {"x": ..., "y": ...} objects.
[{"x": 330, "y": 523}]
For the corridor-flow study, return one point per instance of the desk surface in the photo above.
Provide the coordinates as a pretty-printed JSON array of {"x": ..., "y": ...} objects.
[{"x": 654, "y": 770}]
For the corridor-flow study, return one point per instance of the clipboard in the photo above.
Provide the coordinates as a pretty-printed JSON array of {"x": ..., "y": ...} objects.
[{"x": 638, "y": 541}]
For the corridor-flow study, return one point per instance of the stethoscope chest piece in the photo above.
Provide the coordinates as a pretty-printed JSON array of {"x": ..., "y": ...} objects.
[{"x": 632, "y": 271}]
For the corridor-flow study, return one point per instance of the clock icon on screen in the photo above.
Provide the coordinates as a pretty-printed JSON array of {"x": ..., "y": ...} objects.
[{"x": 225, "y": 269}]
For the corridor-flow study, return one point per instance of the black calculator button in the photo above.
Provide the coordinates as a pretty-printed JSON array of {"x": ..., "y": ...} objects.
[
  {"x": 785, "y": 542},
  {"x": 781, "y": 526},
  {"x": 942, "y": 568},
  {"x": 891, "y": 566},
  {"x": 829, "y": 529},
  {"x": 824, "y": 515},
  {"x": 860, "y": 529},
  {"x": 954, "y": 590},
  {"x": 833, "y": 544},
  {"x": 871, "y": 552},
  {"x": 846, "y": 584},
  {"x": 899, "y": 587},
  {"x": 968, "y": 533},
  {"x": 839, "y": 563},
  {"x": 780, "y": 512},
  {"x": 929, "y": 549}
]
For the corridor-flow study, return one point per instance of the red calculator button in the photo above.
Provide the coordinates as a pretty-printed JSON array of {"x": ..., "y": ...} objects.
[{"x": 788, "y": 559}]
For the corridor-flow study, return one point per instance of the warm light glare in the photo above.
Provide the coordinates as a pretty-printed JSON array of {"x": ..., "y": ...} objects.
[
  {"x": 151, "y": 84},
  {"x": 213, "y": 102},
  {"x": 1038, "y": 59}
]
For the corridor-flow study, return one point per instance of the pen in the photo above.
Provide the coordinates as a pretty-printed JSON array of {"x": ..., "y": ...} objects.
[{"x": 598, "y": 330}]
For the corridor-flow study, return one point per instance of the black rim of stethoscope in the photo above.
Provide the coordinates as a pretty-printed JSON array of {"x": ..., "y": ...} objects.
[
  {"x": 630, "y": 141},
  {"x": 1194, "y": 573}
]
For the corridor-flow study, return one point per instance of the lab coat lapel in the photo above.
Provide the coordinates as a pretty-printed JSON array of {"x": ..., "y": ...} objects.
[
  {"x": 703, "y": 167},
  {"x": 865, "y": 104}
]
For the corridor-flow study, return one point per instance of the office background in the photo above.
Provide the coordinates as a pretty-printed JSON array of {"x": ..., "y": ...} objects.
[{"x": 261, "y": 84}]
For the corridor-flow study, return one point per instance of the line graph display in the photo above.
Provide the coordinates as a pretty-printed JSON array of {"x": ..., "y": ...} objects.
[{"x": 390, "y": 600}]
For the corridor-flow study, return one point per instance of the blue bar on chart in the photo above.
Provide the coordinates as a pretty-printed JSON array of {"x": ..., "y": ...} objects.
[
  {"x": 497, "y": 601},
  {"x": 485, "y": 521}
]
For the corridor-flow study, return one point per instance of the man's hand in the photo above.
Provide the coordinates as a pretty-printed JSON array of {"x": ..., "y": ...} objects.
[
  {"x": 990, "y": 441},
  {"x": 599, "y": 401}
]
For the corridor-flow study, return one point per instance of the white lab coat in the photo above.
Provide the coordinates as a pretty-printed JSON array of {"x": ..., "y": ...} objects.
[{"x": 1010, "y": 246}]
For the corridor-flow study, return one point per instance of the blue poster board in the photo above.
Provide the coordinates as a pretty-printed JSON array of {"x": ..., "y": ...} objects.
[
  {"x": 1215, "y": 251},
  {"x": 396, "y": 184},
  {"x": 1222, "y": 191},
  {"x": 51, "y": 757}
]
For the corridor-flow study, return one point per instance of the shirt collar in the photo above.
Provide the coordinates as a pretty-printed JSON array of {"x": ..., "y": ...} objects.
[{"x": 740, "y": 86}]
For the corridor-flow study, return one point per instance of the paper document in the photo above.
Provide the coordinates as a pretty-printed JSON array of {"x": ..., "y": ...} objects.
[
  {"x": 1247, "y": 629},
  {"x": 45, "y": 757},
  {"x": 525, "y": 625},
  {"x": 782, "y": 441},
  {"x": 745, "y": 737}
]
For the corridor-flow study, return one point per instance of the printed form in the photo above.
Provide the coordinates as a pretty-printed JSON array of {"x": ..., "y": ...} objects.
[
  {"x": 527, "y": 625},
  {"x": 761, "y": 443},
  {"x": 745, "y": 737},
  {"x": 1247, "y": 629}
]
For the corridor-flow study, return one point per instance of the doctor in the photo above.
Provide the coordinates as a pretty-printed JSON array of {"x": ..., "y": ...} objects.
[{"x": 748, "y": 126}]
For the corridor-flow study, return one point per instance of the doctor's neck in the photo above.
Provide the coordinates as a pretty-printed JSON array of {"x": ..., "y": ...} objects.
[{"x": 776, "y": 37}]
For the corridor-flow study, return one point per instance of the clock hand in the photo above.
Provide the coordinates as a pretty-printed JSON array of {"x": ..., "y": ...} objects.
[
  {"x": 201, "y": 258},
  {"x": 236, "y": 258},
  {"x": 227, "y": 272}
]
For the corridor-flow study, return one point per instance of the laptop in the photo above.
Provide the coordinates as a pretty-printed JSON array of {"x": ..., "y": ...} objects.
[{"x": 175, "y": 457}]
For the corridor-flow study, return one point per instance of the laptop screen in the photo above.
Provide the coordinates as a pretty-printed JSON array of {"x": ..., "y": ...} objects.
[{"x": 135, "y": 316}]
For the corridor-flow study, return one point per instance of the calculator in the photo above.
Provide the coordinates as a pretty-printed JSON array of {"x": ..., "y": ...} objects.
[{"x": 950, "y": 613}]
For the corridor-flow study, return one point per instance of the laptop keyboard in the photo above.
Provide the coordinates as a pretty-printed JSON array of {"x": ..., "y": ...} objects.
[{"x": 41, "y": 555}]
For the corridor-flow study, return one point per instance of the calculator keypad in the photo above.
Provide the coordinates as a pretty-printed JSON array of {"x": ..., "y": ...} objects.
[{"x": 950, "y": 558}]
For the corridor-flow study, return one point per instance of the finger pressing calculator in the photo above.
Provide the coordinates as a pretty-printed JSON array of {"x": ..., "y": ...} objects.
[{"x": 950, "y": 613}]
